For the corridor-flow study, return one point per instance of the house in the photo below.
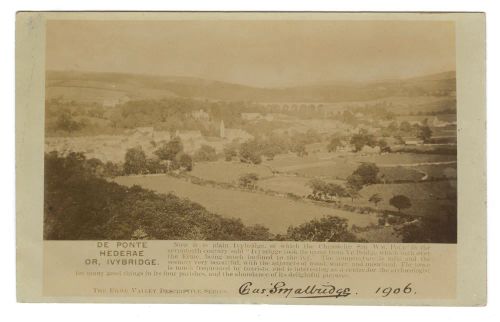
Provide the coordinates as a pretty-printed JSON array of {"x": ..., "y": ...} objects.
[
  {"x": 144, "y": 130},
  {"x": 269, "y": 117},
  {"x": 369, "y": 150},
  {"x": 200, "y": 115},
  {"x": 438, "y": 123},
  {"x": 189, "y": 135},
  {"x": 142, "y": 133},
  {"x": 237, "y": 134},
  {"x": 251, "y": 116},
  {"x": 111, "y": 102},
  {"x": 413, "y": 141},
  {"x": 161, "y": 136}
]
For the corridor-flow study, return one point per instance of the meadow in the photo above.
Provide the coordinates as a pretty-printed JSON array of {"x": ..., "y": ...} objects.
[
  {"x": 409, "y": 174},
  {"x": 286, "y": 184},
  {"x": 404, "y": 158},
  {"x": 393, "y": 166},
  {"x": 400, "y": 173},
  {"x": 276, "y": 213},
  {"x": 427, "y": 198},
  {"x": 439, "y": 171},
  {"x": 228, "y": 171}
]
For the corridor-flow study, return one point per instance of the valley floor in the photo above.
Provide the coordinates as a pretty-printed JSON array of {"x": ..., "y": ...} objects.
[{"x": 276, "y": 213}]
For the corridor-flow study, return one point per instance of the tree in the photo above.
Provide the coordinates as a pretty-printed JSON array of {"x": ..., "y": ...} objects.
[
  {"x": 169, "y": 150},
  {"x": 335, "y": 190},
  {"x": 354, "y": 185},
  {"x": 399, "y": 139},
  {"x": 424, "y": 133},
  {"x": 353, "y": 192},
  {"x": 248, "y": 180},
  {"x": 270, "y": 151},
  {"x": 95, "y": 166},
  {"x": 326, "y": 229},
  {"x": 348, "y": 118},
  {"x": 405, "y": 127},
  {"x": 392, "y": 127},
  {"x": 311, "y": 136},
  {"x": 400, "y": 202},
  {"x": 375, "y": 199},
  {"x": 321, "y": 189},
  {"x": 368, "y": 173},
  {"x": 438, "y": 228},
  {"x": 135, "y": 161},
  {"x": 184, "y": 160},
  {"x": 111, "y": 170},
  {"x": 66, "y": 122},
  {"x": 384, "y": 147},
  {"x": 205, "y": 153},
  {"x": 229, "y": 153},
  {"x": 318, "y": 187},
  {"x": 361, "y": 139},
  {"x": 334, "y": 144},
  {"x": 155, "y": 165},
  {"x": 355, "y": 181},
  {"x": 249, "y": 152},
  {"x": 299, "y": 148}
]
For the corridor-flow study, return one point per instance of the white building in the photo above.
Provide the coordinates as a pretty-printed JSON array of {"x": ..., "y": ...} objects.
[
  {"x": 413, "y": 141},
  {"x": 251, "y": 116},
  {"x": 200, "y": 115},
  {"x": 257, "y": 116},
  {"x": 237, "y": 134}
]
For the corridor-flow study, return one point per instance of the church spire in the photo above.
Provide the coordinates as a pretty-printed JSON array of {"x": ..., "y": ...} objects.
[{"x": 222, "y": 130}]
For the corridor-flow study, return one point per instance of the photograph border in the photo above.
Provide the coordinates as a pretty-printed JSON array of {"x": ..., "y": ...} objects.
[{"x": 471, "y": 120}]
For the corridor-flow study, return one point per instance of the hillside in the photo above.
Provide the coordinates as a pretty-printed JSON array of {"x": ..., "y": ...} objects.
[{"x": 109, "y": 88}]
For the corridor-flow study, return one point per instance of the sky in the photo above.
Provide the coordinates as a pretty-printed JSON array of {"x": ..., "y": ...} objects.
[{"x": 251, "y": 52}]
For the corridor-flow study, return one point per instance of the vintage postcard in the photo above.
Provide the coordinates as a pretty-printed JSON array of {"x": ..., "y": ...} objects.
[{"x": 291, "y": 158}]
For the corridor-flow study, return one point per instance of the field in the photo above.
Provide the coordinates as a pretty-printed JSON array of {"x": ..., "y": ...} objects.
[
  {"x": 393, "y": 166},
  {"x": 398, "y": 173},
  {"x": 228, "y": 172},
  {"x": 420, "y": 118},
  {"x": 439, "y": 171},
  {"x": 427, "y": 198},
  {"x": 286, "y": 184},
  {"x": 334, "y": 166},
  {"x": 253, "y": 208},
  {"x": 338, "y": 169},
  {"x": 404, "y": 158},
  {"x": 282, "y": 162},
  {"x": 429, "y": 149}
]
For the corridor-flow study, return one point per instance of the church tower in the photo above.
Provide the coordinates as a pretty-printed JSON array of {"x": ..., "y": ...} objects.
[{"x": 222, "y": 129}]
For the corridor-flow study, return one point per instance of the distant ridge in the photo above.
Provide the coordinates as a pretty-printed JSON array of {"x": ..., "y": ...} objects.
[
  {"x": 103, "y": 87},
  {"x": 435, "y": 77}
]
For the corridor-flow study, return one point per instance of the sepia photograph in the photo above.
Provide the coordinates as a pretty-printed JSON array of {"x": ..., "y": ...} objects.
[
  {"x": 251, "y": 130},
  {"x": 264, "y": 157}
]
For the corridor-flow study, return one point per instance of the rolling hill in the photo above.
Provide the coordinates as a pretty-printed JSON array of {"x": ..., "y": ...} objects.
[{"x": 108, "y": 88}]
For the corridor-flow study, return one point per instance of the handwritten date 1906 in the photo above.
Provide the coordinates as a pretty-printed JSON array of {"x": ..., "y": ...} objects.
[{"x": 387, "y": 291}]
